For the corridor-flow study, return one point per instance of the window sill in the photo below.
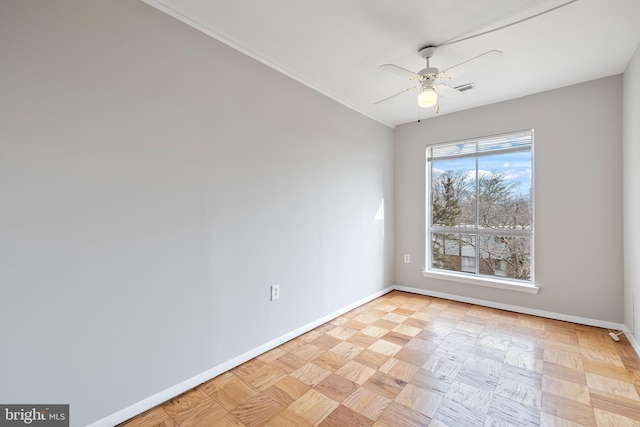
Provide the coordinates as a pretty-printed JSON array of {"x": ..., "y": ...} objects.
[{"x": 481, "y": 281}]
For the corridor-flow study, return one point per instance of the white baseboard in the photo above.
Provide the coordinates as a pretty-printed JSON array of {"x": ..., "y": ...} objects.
[
  {"x": 632, "y": 340},
  {"x": 190, "y": 383},
  {"x": 515, "y": 308},
  {"x": 173, "y": 391},
  {"x": 524, "y": 310}
]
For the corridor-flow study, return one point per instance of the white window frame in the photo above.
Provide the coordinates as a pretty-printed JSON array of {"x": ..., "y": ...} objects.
[{"x": 528, "y": 286}]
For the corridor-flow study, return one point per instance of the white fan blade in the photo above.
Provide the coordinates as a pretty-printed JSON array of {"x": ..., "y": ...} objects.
[
  {"x": 468, "y": 65},
  {"x": 447, "y": 91},
  {"x": 402, "y": 72},
  {"x": 398, "y": 94}
]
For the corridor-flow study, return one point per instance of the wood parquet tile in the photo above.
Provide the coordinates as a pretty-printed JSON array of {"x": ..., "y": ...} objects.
[{"x": 412, "y": 360}]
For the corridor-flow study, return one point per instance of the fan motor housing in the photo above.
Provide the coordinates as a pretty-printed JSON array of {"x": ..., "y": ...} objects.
[
  {"x": 427, "y": 51},
  {"x": 430, "y": 71}
]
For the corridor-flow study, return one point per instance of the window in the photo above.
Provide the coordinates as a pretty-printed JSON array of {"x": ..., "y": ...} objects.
[{"x": 480, "y": 207}]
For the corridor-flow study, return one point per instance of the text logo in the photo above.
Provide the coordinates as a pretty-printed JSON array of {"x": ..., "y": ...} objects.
[{"x": 34, "y": 415}]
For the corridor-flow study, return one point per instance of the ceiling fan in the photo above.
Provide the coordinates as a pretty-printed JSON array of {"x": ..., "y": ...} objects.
[{"x": 428, "y": 77}]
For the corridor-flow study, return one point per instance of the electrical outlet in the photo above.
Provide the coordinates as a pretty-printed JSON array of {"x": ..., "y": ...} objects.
[
  {"x": 407, "y": 258},
  {"x": 275, "y": 292}
]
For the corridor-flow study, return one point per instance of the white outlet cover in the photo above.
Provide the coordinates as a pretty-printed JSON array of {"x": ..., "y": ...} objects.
[{"x": 275, "y": 292}]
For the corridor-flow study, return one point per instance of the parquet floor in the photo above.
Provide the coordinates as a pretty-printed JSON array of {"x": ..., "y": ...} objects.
[{"x": 412, "y": 360}]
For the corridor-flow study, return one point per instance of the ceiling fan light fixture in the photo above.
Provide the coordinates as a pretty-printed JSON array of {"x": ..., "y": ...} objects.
[{"x": 427, "y": 98}]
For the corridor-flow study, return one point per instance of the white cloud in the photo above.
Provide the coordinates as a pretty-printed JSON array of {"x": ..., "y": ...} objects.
[{"x": 517, "y": 174}]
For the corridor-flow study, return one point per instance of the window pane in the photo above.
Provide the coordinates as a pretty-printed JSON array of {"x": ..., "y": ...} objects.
[
  {"x": 480, "y": 206},
  {"x": 505, "y": 256},
  {"x": 452, "y": 150},
  {"x": 504, "y": 142},
  {"x": 504, "y": 188},
  {"x": 453, "y": 193},
  {"x": 455, "y": 252}
]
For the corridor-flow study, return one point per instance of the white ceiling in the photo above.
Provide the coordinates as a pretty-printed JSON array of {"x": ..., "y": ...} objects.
[{"x": 337, "y": 46}]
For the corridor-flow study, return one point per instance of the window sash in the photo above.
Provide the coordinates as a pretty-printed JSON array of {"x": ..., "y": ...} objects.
[
  {"x": 515, "y": 232},
  {"x": 475, "y": 148},
  {"x": 510, "y": 142}
]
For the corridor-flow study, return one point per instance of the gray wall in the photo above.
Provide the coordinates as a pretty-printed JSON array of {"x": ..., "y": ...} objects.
[
  {"x": 154, "y": 183},
  {"x": 578, "y": 197},
  {"x": 631, "y": 151}
]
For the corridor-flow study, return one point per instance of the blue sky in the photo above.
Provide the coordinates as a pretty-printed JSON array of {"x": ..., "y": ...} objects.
[{"x": 515, "y": 166}]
